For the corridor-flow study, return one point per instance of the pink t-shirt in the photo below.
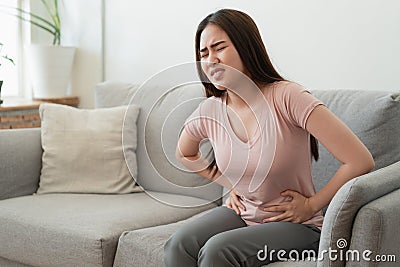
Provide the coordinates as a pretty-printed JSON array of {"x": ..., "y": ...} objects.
[{"x": 275, "y": 159}]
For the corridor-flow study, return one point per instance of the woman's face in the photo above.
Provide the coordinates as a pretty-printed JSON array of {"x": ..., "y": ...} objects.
[{"x": 220, "y": 59}]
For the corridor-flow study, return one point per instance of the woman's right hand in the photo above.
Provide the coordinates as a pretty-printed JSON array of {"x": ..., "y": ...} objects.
[{"x": 234, "y": 201}]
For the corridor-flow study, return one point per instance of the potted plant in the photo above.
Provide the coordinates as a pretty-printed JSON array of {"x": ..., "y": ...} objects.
[
  {"x": 50, "y": 65},
  {"x": 3, "y": 57}
]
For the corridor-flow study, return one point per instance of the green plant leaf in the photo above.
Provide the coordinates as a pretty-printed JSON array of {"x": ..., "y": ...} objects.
[
  {"x": 36, "y": 24},
  {"x": 56, "y": 20},
  {"x": 49, "y": 11},
  {"x": 9, "y": 59},
  {"x": 53, "y": 27},
  {"x": 39, "y": 18},
  {"x": 32, "y": 15}
]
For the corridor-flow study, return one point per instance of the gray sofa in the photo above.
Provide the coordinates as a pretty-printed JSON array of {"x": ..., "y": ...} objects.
[{"x": 130, "y": 230}]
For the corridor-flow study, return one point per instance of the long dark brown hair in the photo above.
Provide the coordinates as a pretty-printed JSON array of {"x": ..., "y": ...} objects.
[{"x": 245, "y": 36}]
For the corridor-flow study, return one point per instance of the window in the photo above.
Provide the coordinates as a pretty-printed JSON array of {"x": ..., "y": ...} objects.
[{"x": 10, "y": 38}]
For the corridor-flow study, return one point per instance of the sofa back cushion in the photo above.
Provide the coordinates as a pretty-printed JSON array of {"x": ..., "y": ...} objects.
[
  {"x": 163, "y": 111},
  {"x": 374, "y": 116}
]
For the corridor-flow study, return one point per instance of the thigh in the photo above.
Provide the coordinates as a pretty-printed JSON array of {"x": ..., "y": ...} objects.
[
  {"x": 260, "y": 244},
  {"x": 219, "y": 219},
  {"x": 182, "y": 248}
]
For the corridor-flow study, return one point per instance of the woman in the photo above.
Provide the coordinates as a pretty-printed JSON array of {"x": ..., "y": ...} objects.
[{"x": 263, "y": 130}]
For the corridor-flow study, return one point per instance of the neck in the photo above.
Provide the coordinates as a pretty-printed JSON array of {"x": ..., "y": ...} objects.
[
  {"x": 243, "y": 98},
  {"x": 234, "y": 100}
]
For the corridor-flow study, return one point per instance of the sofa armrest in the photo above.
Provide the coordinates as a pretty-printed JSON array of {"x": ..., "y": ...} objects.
[
  {"x": 20, "y": 162},
  {"x": 375, "y": 229},
  {"x": 342, "y": 210}
]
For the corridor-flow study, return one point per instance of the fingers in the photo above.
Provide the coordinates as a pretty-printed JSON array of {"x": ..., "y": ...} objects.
[
  {"x": 290, "y": 193},
  {"x": 233, "y": 206},
  {"x": 284, "y": 217},
  {"x": 234, "y": 202},
  {"x": 277, "y": 208},
  {"x": 237, "y": 202},
  {"x": 296, "y": 210}
]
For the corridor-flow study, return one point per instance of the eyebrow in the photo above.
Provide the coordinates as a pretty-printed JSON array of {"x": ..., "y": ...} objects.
[{"x": 213, "y": 45}]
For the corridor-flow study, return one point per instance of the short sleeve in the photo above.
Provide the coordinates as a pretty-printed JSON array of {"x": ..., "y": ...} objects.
[
  {"x": 194, "y": 125},
  {"x": 299, "y": 103}
]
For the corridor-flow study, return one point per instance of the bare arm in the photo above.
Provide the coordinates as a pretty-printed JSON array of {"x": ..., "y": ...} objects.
[
  {"x": 187, "y": 152},
  {"x": 346, "y": 147}
]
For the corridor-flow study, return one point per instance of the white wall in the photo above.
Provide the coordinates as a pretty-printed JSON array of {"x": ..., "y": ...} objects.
[
  {"x": 81, "y": 23},
  {"x": 83, "y": 29},
  {"x": 321, "y": 44}
]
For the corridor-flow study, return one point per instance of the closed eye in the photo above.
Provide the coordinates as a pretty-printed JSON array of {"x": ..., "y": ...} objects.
[{"x": 218, "y": 49}]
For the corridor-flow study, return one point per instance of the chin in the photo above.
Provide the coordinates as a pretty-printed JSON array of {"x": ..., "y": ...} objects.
[{"x": 220, "y": 87}]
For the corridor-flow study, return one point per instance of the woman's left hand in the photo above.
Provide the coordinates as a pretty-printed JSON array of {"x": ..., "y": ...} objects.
[{"x": 298, "y": 210}]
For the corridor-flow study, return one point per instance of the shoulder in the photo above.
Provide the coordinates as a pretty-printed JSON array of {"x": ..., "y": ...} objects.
[
  {"x": 204, "y": 117},
  {"x": 294, "y": 102},
  {"x": 286, "y": 89},
  {"x": 212, "y": 100},
  {"x": 285, "y": 93},
  {"x": 210, "y": 105}
]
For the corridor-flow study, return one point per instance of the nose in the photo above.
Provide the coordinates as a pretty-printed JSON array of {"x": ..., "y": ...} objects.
[
  {"x": 211, "y": 62},
  {"x": 213, "y": 59}
]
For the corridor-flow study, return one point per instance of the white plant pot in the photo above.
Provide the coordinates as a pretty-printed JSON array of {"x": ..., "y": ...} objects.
[{"x": 50, "y": 69}]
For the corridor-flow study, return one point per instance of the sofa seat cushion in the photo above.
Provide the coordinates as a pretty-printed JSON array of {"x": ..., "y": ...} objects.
[
  {"x": 7, "y": 263},
  {"x": 145, "y": 247},
  {"x": 80, "y": 229}
]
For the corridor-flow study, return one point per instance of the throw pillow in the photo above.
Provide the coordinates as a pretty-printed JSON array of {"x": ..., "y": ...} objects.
[{"x": 83, "y": 150}]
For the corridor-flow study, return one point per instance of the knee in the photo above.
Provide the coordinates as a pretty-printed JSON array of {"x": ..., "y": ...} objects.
[
  {"x": 218, "y": 252},
  {"x": 180, "y": 245},
  {"x": 170, "y": 246},
  {"x": 174, "y": 244}
]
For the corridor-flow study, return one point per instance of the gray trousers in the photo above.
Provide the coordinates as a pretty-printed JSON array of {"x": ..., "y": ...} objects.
[{"x": 221, "y": 238}]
